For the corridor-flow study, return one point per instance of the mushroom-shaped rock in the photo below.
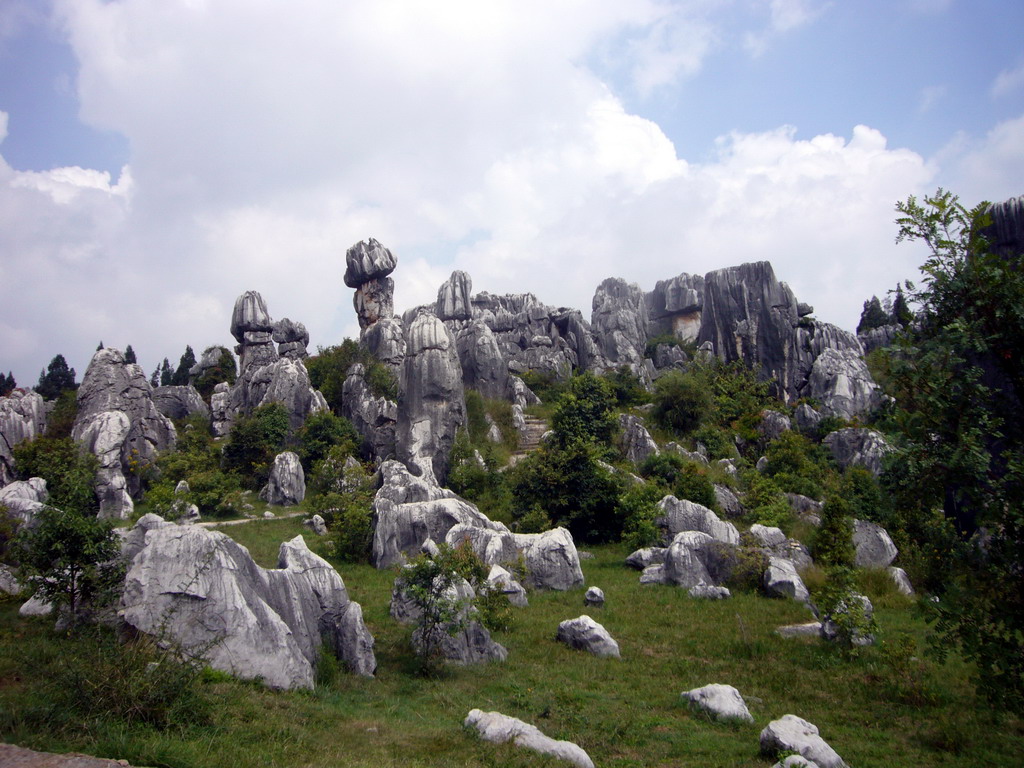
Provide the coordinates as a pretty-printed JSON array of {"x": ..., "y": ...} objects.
[
  {"x": 679, "y": 515},
  {"x": 721, "y": 701},
  {"x": 366, "y": 261},
  {"x": 873, "y": 546},
  {"x": 585, "y": 634},
  {"x": 552, "y": 561},
  {"x": 499, "y": 729},
  {"x": 782, "y": 580},
  {"x": 250, "y": 316},
  {"x": 794, "y": 734},
  {"x": 291, "y": 338},
  {"x": 287, "y": 483}
]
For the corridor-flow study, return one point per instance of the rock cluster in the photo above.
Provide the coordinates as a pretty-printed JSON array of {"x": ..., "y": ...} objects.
[
  {"x": 201, "y": 590},
  {"x": 22, "y": 417},
  {"x": 180, "y": 402}
]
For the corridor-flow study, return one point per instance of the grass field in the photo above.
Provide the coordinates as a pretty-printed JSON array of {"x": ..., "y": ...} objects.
[{"x": 623, "y": 712}]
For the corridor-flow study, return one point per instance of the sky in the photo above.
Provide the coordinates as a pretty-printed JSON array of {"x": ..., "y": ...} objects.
[{"x": 160, "y": 157}]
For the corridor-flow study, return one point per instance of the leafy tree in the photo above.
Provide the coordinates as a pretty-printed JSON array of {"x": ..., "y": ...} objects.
[
  {"x": 682, "y": 401},
  {"x": 253, "y": 443},
  {"x": 627, "y": 389},
  {"x": 57, "y": 378},
  {"x": 180, "y": 376},
  {"x": 61, "y": 420},
  {"x": 872, "y": 316},
  {"x": 342, "y": 493},
  {"x": 329, "y": 368},
  {"x": 959, "y": 378},
  {"x": 320, "y": 433},
  {"x": 584, "y": 412},
  {"x": 224, "y": 371},
  {"x": 833, "y": 542},
  {"x": 69, "y": 471},
  {"x": 71, "y": 560},
  {"x": 129, "y": 355}
]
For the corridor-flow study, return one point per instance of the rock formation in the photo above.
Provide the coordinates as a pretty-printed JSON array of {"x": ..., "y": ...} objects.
[
  {"x": 180, "y": 402},
  {"x": 619, "y": 322},
  {"x": 118, "y": 421},
  {"x": 722, "y": 702},
  {"x": 794, "y": 734},
  {"x": 499, "y": 729},
  {"x": 201, "y": 590},
  {"x": 367, "y": 266},
  {"x": 374, "y": 418},
  {"x": 291, "y": 338},
  {"x": 683, "y": 515},
  {"x": 22, "y": 417},
  {"x": 24, "y": 498},
  {"x": 287, "y": 482},
  {"x": 585, "y": 634}
]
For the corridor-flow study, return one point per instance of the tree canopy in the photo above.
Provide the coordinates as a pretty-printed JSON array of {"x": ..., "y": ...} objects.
[{"x": 56, "y": 378}]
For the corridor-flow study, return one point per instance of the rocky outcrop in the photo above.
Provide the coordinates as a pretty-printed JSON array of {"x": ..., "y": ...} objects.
[
  {"x": 374, "y": 418},
  {"x": 635, "y": 441},
  {"x": 287, "y": 483},
  {"x": 858, "y": 447},
  {"x": 833, "y": 629},
  {"x": 501, "y": 580},
  {"x": 691, "y": 559},
  {"x": 367, "y": 266},
  {"x": 181, "y": 402},
  {"x": 201, "y": 590},
  {"x": 253, "y": 330},
  {"x": 211, "y": 358},
  {"x": 432, "y": 406},
  {"x": 291, "y": 338},
  {"x": 879, "y": 338},
  {"x": 772, "y": 425},
  {"x": 24, "y": 498},
  {"x": 552, "y": 561},
  {"x": 585, "y": 634},
  {"x": 873, "y": 546},
  {"x": 781, "y": 579},
  {"x": 483, "y": 366},
  {"x": 500, "y": 729},
  {"x": 619, "y": 323},
  {"x": 841, "y": 382},
  {"x": 642, "y": 558},
  {"x": 409, "y": 510},
  {"x": 794, "y": 734},
  {"x": 22, "y": 417},
  {"x": 1005, "y": 234},
  {"x": 723, "y": 702},
  {"x": 118, "y": 421},
  {"x": 683, "y": 515},
  {"x": 454, "y": 297},
  {"x": 675, "y": 306}
]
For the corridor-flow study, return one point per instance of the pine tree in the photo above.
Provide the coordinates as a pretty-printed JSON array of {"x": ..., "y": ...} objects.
[
  {"x": 7, "y": 384},
  {"x": 100, "y": 345},
  {"x": 129, "y": 355},
  {"x": 901, "y": 313},
  {"x": 57, "y": 378},
  {"x": 873, "y": 316},
  {"x": 180, "y": 378},
  {"x": 154, "y": 380},
  {"x": 165, "y": 373}
]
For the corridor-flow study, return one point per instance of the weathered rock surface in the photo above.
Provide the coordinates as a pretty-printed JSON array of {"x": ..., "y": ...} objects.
[
  {"x": 794, "y": 734},
  {"x": 619, "y": 322},
  {"x": 728, "y": 502},
  {"x": 505, "y": 583},
  {"x": 24, "y": 498},
  {"x": 22, "y": 417},
  {"x": 483, "y": 366},
  {"x": 840, "y": 380},
  {"x": 552, "y": 561},
  {"x": 637, "y": 443},
  {"x": 180, "y": 402},
  {"x": 720, "y": 701},
  {"x": 118, "y": 422},
  {"x": 287, "y": 483},
  {"x": 773, "y": 424},
  {"x": 683, "y": 515},
  {"x": 782, "y": 580},
  {"x": 709, "y": 592},
  {"x": 879, "y": 338},
  {"x": 374, "y": 418},
  {"x": 432, "y": 406},
  {"x": 408, "y": 510},
  {"x": 767, "y": 536},
  {"x": 283, "y": 381},
  {"x": 645, "y": 557},
  {"x": 499, "y": 729},
  {"x": 692, "y": 558},
  {"x": 593, "y": 597},
  {"x": 858, "y": 447},
  {"x": 901, "y": 580},
  {"x": 253, "y": 329},
  {"x": 201, "y": 589},
  {"x": 368, "y": 264},
  {"x": 454, "y": 297},
  {"x": 210, "y": 359},
  {"x": 291, "y": 338},
  {"x": 873, "y": 546},
  {"x": 585, "y": 634}
]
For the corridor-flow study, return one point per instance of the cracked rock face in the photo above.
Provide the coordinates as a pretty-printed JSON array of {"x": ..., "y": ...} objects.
[
  {"x": 367, "y": 266},
  {"x": 374, "y": 418},
  {"x": 22, "y": 417},
  {"x": 287, "y": 483},
  {"x": 201, "y": 589},
  {"x": 619, "y": 321},
  {"x": 119, "y": 422},
  {"x": 180, "y": 402},
  {"x": 253, "y": 330}
]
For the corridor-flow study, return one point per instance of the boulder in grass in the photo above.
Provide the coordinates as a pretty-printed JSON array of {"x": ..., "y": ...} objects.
[
  {"x": 552, "y": 561},
  {"x": 585, "y": 634},
  {"x": 709, "y": 592},
  {"x": 594, "y": 597},
  {"x": 645, "y": 557},
  {"x": 873, "y": 545},
  {"x": 796, "y": 761},
  {"x": 782, "y": 580},
  {"x": 902, "y": 581},
  {"x": 499, "y": 729},
  {"x": 722, "y": 702},
  {"x": 794, "y": 734}
]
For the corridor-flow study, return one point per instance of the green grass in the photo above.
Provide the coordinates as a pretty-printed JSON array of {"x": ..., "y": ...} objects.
[{"x": 623, "y": 712}]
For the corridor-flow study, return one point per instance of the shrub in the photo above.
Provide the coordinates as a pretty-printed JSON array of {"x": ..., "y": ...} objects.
[
  {"x": 69, "y": 471},
  {"x": 253, "y": 443},
  {"x": 584, "y": 412},
  {"x": 329, "y": 368},
  {"x": 224, "y": 371},
  {"x": 626, "y": 387},
  {"x": 833, "y": 543},
  {"x": 797, "y": 465},
  {"x": 682, "y": 401},
  {"x": 765, "y": 502},
  {"x": 638, "y": 510},
  {"x": 838, "y": 601},
  {"x": 321, "y": 432},
  {"x": 663, "y": 468},
  {"x": 717, "y": 442},
  {"x": 484, "y": 486},
  {"x": 693, "y": 484},
  {"x": 343, "y": 496}
]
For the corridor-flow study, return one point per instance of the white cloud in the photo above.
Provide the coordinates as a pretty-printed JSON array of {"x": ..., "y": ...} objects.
[
  {"x": 784, "y": 16},
  {"x": 988, "y": 168},
  {"x": 1008, "y": 81},
  {"x": 929, "y": 97}
]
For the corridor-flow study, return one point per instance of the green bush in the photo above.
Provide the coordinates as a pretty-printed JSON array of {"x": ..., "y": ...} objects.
[
  {"x": 765, "y": 502},
  {"x": 584, "y": 412},
  {"x": 343, "y": 496},
  {"x": 253, "y": 443},
  {"x": 638, "y": 507},
  {"x": 69, "y": 471},
  {"x": 797, "y": 465},
  {"x": 682, "y": 401},
  {"x": 693, "y": 484},
  {"x": 717, "y": 442},
  {"x": 320, "y": 433},
  {"x": 544, "y": 384},
  {"x": 329, "y": 368},
  {"x": 627, "y": 389},
  {"x": 484, "y": 486},
  {"x": 833, "y": 542},
  {"x": 837, "y": 601}
]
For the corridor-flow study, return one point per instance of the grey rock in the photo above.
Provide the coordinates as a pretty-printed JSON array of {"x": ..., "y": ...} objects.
[
  {"x": 493, "y": 545},
  {"x": 374, "y": 418},
  {"x": 252, "y": 328},
  {"x": 879, "y": 338},
  {"x": 795, "y": 761},
  {"x": 728, "y": 466},
  {"x": 182, "y": 488},
  {"x": 858, "y": 447},
  {"x": 180, "y": 402},
  {"x": 454, "y": 297},
  {"x": 551, "y": 559},
  {"x": 291, "y": 338},
  {"x": 500, "y": 729},
  {"x": 653, "y": 574},
  {"x": 901, "y": 580},
  {"x": 773, "y": 424},
  {"x": 782, "y": 580},
  {"x": 762, "y": 464},
  {"x": 619, "y": 322},
  {"x": 690, "y": 560},
  {"x": 118, "y": 421},
  {"x": 283, "y": 380},
  {"x": 504, "y": 582},
  {"x": 268, "y": 515},
  {"x": 840, "y": 380},
  {"x": 645, "y": 557},
  {"x": 408, "y": 510},
  {"x": 830, "y": 629},
  {"x": 709, "y": 592},
  {"x": 9, "y": 584},
  {"x": 385, "y": 339},
  {"x": 287, "y": 483},
  {"x": 683, "y": 515},
  {"x": 794, "y": 734},
  {"x": 767, "y": 536},
  {"x": 317, "y": 525},
  {"x": 24, "y": 499},
  {"x": 211, "y": 358},
  {"x": 809, "y": 629},
  {"x": 722, "y": 702},
  {"x": 873, "y": 546},
  {"x": 728, "y": 502},
  {"x": 35, "y": 606},
  {"x": 483, "y": 366},
  {"x": 202, "y": 590},
  {"x": 585, "y": 634},
  {"x": 637, "y": 443},
  {"x": 366, "y": 261},
  {"x": 220, "y": 400},
  {"x": 432, "y": 406},
  {"x": 675, "y": 305},
  {"x": 22, "y": 417},
  {"x": 594, "y": 597},
  {"x": 807, "y": 419}
]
